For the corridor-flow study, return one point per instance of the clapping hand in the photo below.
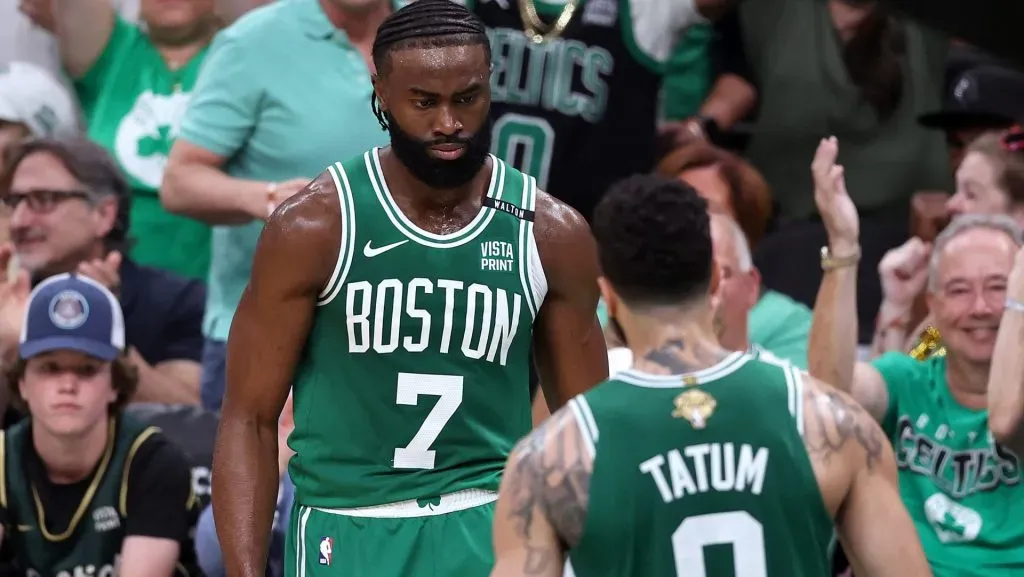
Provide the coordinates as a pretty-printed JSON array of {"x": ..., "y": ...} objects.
[
  {"x": 14, "y": 292},
  {"x": 105, "y": 271},
  {"x": 834, "y": 204},
  {"x": 904, "y": 272}
]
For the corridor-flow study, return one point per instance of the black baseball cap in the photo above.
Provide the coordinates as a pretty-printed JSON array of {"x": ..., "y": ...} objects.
[{"x": 987, "y": 96}]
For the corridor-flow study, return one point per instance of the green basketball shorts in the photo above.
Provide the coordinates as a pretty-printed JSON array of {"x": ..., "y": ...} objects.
[{"x": 451, "y": 538}]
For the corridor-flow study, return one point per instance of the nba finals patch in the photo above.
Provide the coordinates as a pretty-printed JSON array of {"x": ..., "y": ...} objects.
[
  {"x": 326, "y": 548},
  {"x": 696, "y": 406}
]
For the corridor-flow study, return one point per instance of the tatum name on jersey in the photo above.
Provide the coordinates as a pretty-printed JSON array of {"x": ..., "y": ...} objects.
[
  {"x": 444, "y": 320},
  {"x": 711, "y": 487}
]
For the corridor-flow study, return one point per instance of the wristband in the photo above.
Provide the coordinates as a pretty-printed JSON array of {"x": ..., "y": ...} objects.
[{"x": 832, "y": 262}]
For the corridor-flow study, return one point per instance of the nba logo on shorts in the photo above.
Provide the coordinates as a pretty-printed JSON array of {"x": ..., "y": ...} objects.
[{"x": 326, "y": 547}]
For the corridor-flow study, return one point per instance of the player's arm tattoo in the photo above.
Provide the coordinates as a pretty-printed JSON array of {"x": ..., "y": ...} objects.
[
  {"x": 553, "y": 472},
  {"x": 835, "y": 420},
  {"x": 679, "y": 356}
]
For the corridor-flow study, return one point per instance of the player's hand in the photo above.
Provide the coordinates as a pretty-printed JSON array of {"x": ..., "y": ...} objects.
[
  {"x": 904, "y": 272},
  {"x": 834, "y": 204},
  {"x": 106, "y": 271},
  {"x": 14, "y": 292},
  {"x": 279, "y": 192},
  {"x": 40, "y": 12}
]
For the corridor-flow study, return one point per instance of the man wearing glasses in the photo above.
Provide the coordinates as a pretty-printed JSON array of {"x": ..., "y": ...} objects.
[{"x": 68, "y": 208}]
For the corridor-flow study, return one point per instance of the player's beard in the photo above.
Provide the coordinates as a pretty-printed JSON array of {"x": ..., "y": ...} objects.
[{"x": 435, "y": 172}]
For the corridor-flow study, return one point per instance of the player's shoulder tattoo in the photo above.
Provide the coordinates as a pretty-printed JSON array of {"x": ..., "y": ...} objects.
[
  {"x": 835, "y": 420},
  {"x": 552, "y": 468}
]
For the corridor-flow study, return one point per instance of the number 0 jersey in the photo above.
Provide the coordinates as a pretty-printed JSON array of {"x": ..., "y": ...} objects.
[
  {"x": 414, "y": 379},
  {"x": 703, "y": 474},
  {"x": 579, "y": 111}
]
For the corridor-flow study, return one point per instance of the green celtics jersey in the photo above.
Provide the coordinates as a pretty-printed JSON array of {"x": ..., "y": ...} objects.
[
  {"x": 702, "y": 474},
  {"x": 961, "y": 488},
  {"x": 91, "y": 543},
  {"x": 414, "y": 378}
]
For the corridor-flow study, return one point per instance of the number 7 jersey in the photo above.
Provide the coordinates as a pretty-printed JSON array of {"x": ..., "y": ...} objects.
[{"x": 414, "y": 379}]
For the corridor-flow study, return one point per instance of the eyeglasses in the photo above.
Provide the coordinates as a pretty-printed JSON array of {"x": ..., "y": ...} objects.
[
  {"x": 1013, "y": 140},
  {"x": 40, "y": 200}
]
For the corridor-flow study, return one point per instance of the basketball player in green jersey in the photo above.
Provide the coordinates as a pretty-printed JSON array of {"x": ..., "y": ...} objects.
[
  {"x": 399, "y": 293},
  {"x": 696, "y": 461}
]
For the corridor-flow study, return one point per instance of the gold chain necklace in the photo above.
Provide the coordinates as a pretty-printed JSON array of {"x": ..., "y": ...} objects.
[{"x": 535, "y": 28}]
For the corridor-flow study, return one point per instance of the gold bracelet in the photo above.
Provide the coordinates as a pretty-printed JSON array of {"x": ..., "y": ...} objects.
[{"x": 830, "y": 262}]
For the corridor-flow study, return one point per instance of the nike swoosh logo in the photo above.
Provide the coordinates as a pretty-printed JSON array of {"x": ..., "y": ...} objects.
[{"x": 370, "y": 252}]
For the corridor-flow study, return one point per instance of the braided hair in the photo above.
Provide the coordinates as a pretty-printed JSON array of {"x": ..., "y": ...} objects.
[{"x": 425, "y": 24}]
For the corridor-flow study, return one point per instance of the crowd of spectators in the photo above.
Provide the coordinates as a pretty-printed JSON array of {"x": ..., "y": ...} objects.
[{"x": 143, "y": 144}]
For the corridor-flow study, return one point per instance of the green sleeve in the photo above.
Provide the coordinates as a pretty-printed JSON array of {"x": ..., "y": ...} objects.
[
  {"x": 901, "y": 373},
  {"x": 226, "y": 101},
  {"x": 688, "y": 73},
  {"x": 123, "y": 38}
]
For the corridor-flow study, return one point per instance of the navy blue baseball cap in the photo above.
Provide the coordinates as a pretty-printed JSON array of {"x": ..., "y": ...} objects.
[{"x": 71, "y": 312}]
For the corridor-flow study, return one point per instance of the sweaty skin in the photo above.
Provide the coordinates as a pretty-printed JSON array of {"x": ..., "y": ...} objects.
[
  {"x": 544, "y": 495},
  {"x": 276, "y": 312}
]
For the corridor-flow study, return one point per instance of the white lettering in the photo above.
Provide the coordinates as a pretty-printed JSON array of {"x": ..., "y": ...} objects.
[
  {"x": 751, "y": 469},
  {"x": 358, "y": 343},
  {"x": 393, "y": 315},
  {"x": 106, "y": 570},
  {"x": 504, "y": 328},
  {"x": 449, "y": 286},
  {"x": 201, "y": 481},
  {"x": 682, "y": 481},
  {"x": 652, "y": 467},
  {"x": 468, "y": 348},
  {"x": 723, "y": 468},
  {"x": 699, "y": 453},
  {"x": 382, "y": 301},
  {"x": 708, "y": 467},
  {"x": 496, "y": 249},
  {"x": 417, "y": 313}
]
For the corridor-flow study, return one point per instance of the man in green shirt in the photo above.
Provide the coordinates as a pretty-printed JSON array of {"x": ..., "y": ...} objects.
[
  {"x": 961, "y": 486},
  {"x": 262, "y": 123},
  {"x": 134, "y": 82}
]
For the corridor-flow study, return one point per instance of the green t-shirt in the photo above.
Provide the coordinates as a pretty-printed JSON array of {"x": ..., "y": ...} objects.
[
  {"x": 781, "y": 325},
  {"x": 962, "y": 490},
  {"x": 133, "y": 104}
]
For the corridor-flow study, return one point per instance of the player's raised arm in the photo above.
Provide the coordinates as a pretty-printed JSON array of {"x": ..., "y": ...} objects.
[
  {"x": 293, "y": 261},
  {"x": 857, "y": 473},
  {"x": 569, "y": 345},
  {"x": 542, "y": 503}
]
